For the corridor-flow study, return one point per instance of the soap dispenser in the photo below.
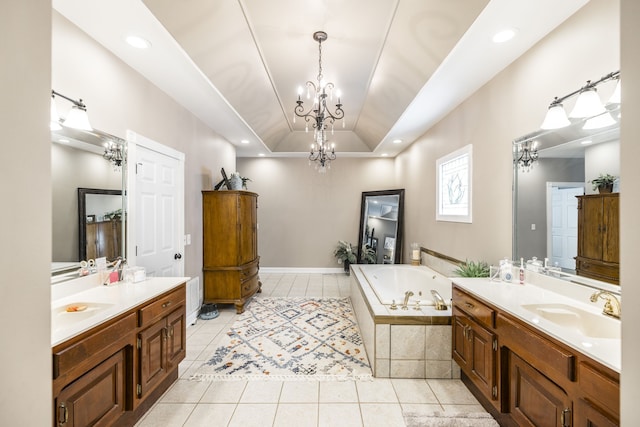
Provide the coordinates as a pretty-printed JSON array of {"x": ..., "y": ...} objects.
[{"x": 521, "y": 273}]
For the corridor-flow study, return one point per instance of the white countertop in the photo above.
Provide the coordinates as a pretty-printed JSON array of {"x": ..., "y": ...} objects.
[
  {"x": 104, "y": 302},
  {"x": 510, "y": 297}
]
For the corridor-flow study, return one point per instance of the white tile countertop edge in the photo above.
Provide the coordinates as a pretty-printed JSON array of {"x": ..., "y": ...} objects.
[
  {"x": 509, "y": 297},
  {"x": 121, "y": 297}
]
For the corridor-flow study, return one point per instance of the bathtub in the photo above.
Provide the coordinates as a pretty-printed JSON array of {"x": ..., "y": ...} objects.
[
  {"x": 390, "y": 282},
  {"x": 403, "y": 343}
]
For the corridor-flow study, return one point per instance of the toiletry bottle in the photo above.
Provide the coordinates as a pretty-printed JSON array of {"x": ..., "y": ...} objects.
[
  {"x": 506, "y": 271},
  {"x": 522, "y": 271}
]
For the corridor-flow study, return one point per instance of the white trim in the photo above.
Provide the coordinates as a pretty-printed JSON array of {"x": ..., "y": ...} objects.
[
  {"x": 133, "y": 141},
  {"x": 301, "y": 270}
]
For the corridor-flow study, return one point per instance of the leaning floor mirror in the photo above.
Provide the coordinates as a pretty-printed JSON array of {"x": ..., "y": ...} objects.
[{"x": 380, "y": 236}]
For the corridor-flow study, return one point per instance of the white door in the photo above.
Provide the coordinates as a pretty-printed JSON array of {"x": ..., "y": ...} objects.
[
  {"x": 158, "y": 210},
  {"x": 563, "y": 240}
]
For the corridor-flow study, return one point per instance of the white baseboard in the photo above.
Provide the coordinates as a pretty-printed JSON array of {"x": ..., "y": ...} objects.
[{"x": 301, "y": 270}]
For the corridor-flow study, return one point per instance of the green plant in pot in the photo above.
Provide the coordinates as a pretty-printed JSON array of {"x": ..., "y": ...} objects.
[
  {"x": 604, "y": 183},
  {"x": 368, "y": 255},
  {"x": 473, "y": 269},
  {"x": 345, "y": 254}
]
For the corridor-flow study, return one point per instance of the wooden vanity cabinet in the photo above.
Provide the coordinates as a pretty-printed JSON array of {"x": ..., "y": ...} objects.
[
  {"x": 474, "y": 346},
  {"x": 599, "y": 237},
  {"x": 230, "y": 247},
  {"x": 539, "y": 381},
  {"x": 111, "y": 374},
  {"x": 161, "y": 343}
]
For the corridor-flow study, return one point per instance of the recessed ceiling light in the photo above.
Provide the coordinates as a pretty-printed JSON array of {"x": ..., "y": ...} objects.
[
  {"x": 245, "y": 141},
  {"x": 63, "y": 140},
  {"x": 138, "y": 42},
  {"x": 384, "y": 154},
  {"x": 504, "y": 35},
  {"x": 586, "y": 141},
  {"x": 397, "y": 141},
  {"x": 261, "y": 154}
]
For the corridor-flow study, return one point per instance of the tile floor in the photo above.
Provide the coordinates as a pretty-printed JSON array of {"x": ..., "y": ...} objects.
[{"x": 294, "y": 403}]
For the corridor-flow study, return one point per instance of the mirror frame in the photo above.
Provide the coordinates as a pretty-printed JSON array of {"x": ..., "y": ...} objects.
[
  {"x": 399, "y": 223},
  {"x": 82, "y": 218}
]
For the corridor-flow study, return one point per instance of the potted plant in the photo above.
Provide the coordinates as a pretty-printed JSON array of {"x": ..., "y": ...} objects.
[
  {"x": 368, "y": 255},
  {"x": 473, "y": 269},
  {"x": 604, "y": 183},
  {"x": 345, "y": 254}
]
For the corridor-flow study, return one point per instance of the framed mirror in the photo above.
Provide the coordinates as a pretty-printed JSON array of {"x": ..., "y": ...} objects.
[
  {"x": 77, "y": 161},
  {"x": 380, "y": 236},
  {"x": 546, "y": 197},
  {"x": 100, "y": 223}
]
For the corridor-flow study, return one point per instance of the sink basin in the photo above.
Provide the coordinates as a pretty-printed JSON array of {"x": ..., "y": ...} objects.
[
  {"x": 61, "y": 318},
  {"x": 581, "y": 321}
]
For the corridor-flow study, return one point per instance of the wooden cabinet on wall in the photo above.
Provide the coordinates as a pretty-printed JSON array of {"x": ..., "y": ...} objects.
[
  {"x": 230, "y": 247},
  {"x": 525, "y": 377},
  {"x": 111, "y": 374},
  {"x": 599, "y": 237}
]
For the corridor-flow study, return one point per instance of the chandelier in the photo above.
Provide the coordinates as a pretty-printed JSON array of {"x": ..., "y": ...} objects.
[
  {"x": 319, "y": 114},
  {"x": 527, "y": 155},
  {"x": 114, "y": 152}
]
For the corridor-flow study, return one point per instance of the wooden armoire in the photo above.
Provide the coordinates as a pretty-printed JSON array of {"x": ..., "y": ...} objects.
[
  {"x": 599, "y": 237},
  {"x": 230, "y": 247}
]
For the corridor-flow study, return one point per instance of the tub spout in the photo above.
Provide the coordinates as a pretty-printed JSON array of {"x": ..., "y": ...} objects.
[
  {"x": 405, "y": 304},
  {"x": 437, "y": 298}
]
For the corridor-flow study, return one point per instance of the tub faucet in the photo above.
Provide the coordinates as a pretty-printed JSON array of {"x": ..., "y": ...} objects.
[
  {"x": 437, "y": 298},
  {"x": 405, "y": 304},
  {"x": 611, "y": 307}
]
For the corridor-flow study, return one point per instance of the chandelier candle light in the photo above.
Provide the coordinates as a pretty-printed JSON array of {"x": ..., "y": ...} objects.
[{"x": 318, "y": 114}]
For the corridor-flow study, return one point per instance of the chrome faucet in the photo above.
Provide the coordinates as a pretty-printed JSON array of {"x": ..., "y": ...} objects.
[
  {"x": 405, "y": 304},
  {"x": 437, "y": 298},
  {"x": 612, "y": 307}
]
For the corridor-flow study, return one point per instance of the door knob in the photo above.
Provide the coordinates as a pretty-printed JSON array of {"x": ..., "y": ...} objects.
[{"x": 177, "y": 256}]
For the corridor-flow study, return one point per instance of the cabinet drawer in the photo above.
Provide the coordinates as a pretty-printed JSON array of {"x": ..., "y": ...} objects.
[
  {"x": 162, "y": 306},
  {"x": 476, "y": 309},
  {"x": 599, "y": 387},
  {"x": 536, "y": 350},
  {"x": 250, "y": 286},
  {"x": 249, "y": 271},
  {"x": 91, "y": 347}
]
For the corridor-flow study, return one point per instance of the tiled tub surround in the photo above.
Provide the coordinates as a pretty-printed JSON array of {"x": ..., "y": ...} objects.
[{"x": 403, "y": 343}]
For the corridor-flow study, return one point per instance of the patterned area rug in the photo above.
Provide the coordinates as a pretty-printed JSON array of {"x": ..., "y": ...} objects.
[
  {"x": 290, "y": 339},
  {"x": 439, "y": 419}
]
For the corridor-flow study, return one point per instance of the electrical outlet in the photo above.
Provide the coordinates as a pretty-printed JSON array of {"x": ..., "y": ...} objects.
[{"x": 533, "y": 227}]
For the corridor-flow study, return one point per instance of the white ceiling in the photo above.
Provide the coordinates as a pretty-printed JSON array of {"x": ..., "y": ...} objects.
[{"x": 401, "y": 65}]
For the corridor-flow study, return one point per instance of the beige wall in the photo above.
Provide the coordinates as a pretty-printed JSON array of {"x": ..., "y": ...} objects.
[
  {"x": 25, "y": 218},
  {"x": 119, "y": 99},
  {"x": 302, "y": 214},
  {"x": 585, "y": 47},
  {"x": 629, "y": 208}
]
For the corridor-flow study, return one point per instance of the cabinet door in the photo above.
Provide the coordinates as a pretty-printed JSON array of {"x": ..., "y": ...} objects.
[
  {"x": 483, "y": 361},
  {"x": 220, "y": 229},
  {"x": 152, "y": 356},
  {"x": 461, "y": 346},
  {"x": 611, "y": 229},
  {"x": 176, "y": 338},
  {"x": 534, "y": 400},
  {"x": 97, "y": 398},
  {"x": 247, "y": 228},
  {"x": 592, "y": 227},
  {"x": 588, "y": 415}
]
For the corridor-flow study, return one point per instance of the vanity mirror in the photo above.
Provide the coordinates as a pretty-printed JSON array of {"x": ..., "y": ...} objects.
[
  {"x": 80, "y": 170},
  {"x": 381, "y": 214},
  {"x": 545, "y": 207}
]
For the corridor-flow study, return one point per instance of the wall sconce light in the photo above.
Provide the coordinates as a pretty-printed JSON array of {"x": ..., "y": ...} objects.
[
  {"x": 527, "y": 154},
  {"x": 77, "y": 117},
  {"x": 588, "y": 106},
  {"x": 114, "y": 152}
]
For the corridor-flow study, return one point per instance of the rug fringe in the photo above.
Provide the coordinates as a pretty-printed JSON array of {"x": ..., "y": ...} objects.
[{"x": 259, "y": 377}]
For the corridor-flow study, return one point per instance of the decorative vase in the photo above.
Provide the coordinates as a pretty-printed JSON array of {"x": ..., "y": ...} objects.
[
  {"x": 347, "y": 263},
  {"x": 235, "y": 182}
]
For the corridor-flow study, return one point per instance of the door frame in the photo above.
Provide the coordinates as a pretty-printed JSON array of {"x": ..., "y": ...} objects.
[
  {"x": 549, "y": 191},
  {"x": 133, "y": 141}
]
